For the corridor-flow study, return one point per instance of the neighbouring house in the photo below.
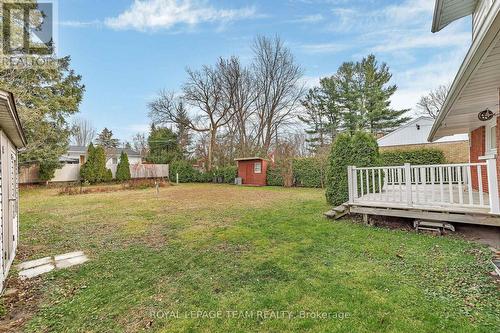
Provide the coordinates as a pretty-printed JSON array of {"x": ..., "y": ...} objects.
[
  {"x": 78, "y": 155},
  {"x": 252, "y": 170},
  {"x": 455, "y": 192},
  {"x": 413, "y": 135},
  {"x": 12, "y": 139}
]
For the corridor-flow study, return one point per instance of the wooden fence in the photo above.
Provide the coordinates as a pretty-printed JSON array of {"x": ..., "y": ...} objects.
[{"x": 71, "y": 172}]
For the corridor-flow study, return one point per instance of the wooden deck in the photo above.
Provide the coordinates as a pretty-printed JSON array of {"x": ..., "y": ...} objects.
[{"x": 435, "y": 192}]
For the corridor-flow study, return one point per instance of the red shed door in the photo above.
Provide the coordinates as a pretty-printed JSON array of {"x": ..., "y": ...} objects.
[{"x": 250, "y": 179}]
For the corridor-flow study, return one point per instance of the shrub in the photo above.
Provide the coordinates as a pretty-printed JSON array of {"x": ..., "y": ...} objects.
[
  {"x": 274, "y": 176},
  {"x": 310, "y": 171},
  {"x": 187, "y": 174},
  {"x": 109, "y": 175},
  {"x": 94, "y": 169},
  {"x": 123, "y": 168},
  {"x": 47, "y": 170},
  {"x": 225, "y": 174},
  {"x": 421, "y": 156},
  {"x": 360, "y": 150}
]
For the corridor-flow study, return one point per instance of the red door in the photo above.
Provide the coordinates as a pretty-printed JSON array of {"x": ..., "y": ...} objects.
[{"x": 249, "y": 174}]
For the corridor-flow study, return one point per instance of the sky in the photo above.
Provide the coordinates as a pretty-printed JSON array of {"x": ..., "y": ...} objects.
[{"x": 128, "y": 50}]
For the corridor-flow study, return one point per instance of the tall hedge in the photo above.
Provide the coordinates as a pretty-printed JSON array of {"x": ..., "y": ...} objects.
[
  {"x": 123, "y": 168},
  {"x": 359, "y": 149},
  {"x": 309, "y": 171},
  {"x": 421, "y": 156},
  {"x": 274, "y": 176},
  {"x": 226, "y": 174}
]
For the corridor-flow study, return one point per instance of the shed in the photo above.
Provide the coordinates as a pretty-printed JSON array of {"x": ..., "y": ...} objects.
[
  {"x": 252, "y": 170},
  {"x": 11, "y": 140}
]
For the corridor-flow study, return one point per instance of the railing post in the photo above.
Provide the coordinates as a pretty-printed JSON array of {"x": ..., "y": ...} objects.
[
  {"x": 491, "y": 168},
  {"x": 350, "y": 184},
  {"x": 409, "y": 199}
]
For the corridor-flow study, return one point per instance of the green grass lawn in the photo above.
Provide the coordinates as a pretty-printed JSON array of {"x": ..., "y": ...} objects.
[{"x": 246, "y": 254}]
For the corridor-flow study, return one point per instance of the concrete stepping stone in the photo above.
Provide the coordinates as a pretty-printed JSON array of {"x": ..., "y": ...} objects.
[
  {"x": 33, "y": 272},
  {"x": 33, "y": 268},
  {"x": 34, "y": 263},
  {"x": 65, "y": 263}
]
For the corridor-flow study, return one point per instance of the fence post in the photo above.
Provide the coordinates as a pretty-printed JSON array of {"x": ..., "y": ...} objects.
[
  {"x": 491, "y": 168},
  {"x": 349, "y": 184},
  {"x": 177, "y": 178},
  {"x": 409, "y": 199}
]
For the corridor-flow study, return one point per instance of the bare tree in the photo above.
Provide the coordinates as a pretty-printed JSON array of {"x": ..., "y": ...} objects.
[
  {"x": 203, "y": 91},
  {"x": 140, "y": 144},
  {"x": 239, "y": 90},
  {"x": 277, "y": 78},
  {"x": 82, "y": 132},
  {"x": 433, "y": 102}
]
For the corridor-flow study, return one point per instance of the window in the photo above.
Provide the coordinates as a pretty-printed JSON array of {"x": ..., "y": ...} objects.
[
  {"x": 114, "y": 160},
  {"x": 257, "y": 167},
  {"x": 491, "y": 138}
]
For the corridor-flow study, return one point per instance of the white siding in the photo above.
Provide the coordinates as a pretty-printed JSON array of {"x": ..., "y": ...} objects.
[
  {"x": 415, "y": 132},
  {"x": 479, "y": 15}
]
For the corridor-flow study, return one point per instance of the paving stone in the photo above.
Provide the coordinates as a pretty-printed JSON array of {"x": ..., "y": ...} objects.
[
  {"x": 33, "y": 272},
  {"x": 71, "y": 261},
  {"x": 34, "y": 263},
  {"x": 68, "y": 255}
]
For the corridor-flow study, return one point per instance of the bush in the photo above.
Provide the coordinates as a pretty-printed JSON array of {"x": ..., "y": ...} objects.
[
  {"x": 274, "y": 176},
  {"x": 109, "y": 176},
  {"x": 94, "y": 169},
  {"x": 310, "y": 171},
  {"x": 359, "y": 150},
  {"x": 423, "y": 156},
  {"x": 187, "y": 174},
  {"x": 123, "y": 168},
  {"x": 225, "y": 174},
  {"x": 48, "y": 169}
]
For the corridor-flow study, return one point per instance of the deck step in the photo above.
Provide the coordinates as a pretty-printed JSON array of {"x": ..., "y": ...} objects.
[
  {"x": 337, "y": 212},
  {"x": 432, "y": 226}
]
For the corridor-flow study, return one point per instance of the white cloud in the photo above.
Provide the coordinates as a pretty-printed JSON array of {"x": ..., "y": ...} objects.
[
  {"x": 164, "y": 14},
  {"x": 323, "y": 48},
  {"x": 80, "y": 24},
  {"x": 416, "y": 40},
  {"x": 309, "y": 19}
]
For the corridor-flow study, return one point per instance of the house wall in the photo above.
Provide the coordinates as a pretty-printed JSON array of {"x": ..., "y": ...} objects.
[
  {"x": 478, "y": 149},
  {"x": 415, "y": 132},
  {"x": 246, "y": 173},
  {"x": 9, "y": 205},
  {"x": 454, "y": 152}
]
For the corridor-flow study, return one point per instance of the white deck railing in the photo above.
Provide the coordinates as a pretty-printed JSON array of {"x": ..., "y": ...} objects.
[{"x": 441, "y": 185}]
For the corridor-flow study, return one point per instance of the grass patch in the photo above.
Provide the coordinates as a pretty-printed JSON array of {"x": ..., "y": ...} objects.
[{"x": 163, "y": 263}]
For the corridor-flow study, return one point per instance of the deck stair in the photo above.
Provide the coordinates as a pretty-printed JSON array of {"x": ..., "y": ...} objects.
[
  {"x": 338, "y": 212},
  {"x": 438, "y": 227}
]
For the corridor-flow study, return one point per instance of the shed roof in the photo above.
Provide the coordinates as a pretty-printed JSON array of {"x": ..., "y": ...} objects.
[
  {"x": 9, "y": 119},
  {"x": 250, "y": 158}
]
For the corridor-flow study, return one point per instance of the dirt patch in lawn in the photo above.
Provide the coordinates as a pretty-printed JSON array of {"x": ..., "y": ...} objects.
[{"x": 22, "y": 299}]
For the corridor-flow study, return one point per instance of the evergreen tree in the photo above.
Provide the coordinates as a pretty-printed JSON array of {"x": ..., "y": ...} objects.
[
  {"x": 378, "y": 116},
  {"x": 183, "y": 135},
  {"x": 94, "y": 169},
  {"x": 123, "y": 168},
  {"x": 163, "y": 146},
  {"x": 356, "y": 98},
  {"x": 46, "y": 96},
  {"x": 105, "y": 139}
]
